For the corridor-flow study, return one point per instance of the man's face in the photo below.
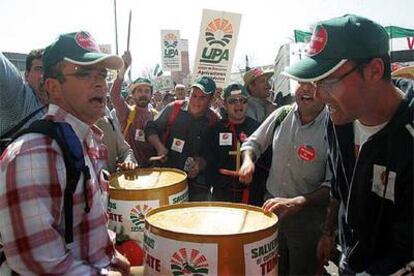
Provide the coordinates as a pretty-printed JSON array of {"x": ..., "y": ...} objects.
[
  {"x": 343, "y": 93},
  {"x": 198, "y": 102},
  {"x": 236, "y": 107},
  {"x": 180, "y": 93},
  {"x": 260, "y": 87},
  {"x": 307, "y": 104},
  {"x": 142, "y": 95},
  {"x": 35, "y": 75},
  {"x": 83, "y": 92}
]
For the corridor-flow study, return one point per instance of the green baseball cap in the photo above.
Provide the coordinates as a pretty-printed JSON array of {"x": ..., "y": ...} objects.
[
  {"x": 206, "y": 84},
  {"x": 234, "y": 89},
  {"x": 139, "y": 81},
  {"x": 78, "y": 48},
  {"x": 336, "y": 41}
]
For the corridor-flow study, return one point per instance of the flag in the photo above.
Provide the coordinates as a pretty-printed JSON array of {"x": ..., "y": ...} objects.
[
  {"x": 301, "y": 36},
  {"x": 398, "y": 32},
  {"x": 157, "y": 71},
  {"x": 401, "y": 44}
]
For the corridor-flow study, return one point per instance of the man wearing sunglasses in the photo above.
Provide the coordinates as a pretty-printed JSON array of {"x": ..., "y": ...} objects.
[
  {"x": 33, "y": 173},
  {"x": 370, "y": 136},
  {"x": 297, "y": 188},
  {"x": 221, "y": 141}
]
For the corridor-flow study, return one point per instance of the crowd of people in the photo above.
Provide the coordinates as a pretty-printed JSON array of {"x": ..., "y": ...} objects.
[{"x": 338, "y": 162}]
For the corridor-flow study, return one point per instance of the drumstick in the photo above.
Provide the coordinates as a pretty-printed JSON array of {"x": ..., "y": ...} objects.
[
  {"x": 129, "y": 29},
  {"x": 155, "y": 158},
  {"x": 229, "y": 172}
]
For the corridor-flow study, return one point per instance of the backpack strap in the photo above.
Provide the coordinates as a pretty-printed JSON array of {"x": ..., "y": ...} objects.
[
  {"x": 72, "y": 151},
  {"x": 171, "y": 119},
  {"x": 130, "y": 119}
]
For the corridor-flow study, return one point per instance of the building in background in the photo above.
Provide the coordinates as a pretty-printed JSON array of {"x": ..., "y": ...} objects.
[{"x": 19, "y": 60}]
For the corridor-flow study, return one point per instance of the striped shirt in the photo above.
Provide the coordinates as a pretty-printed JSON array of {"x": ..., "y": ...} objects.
[
  {"x": 17, "y": 98},
  {"x": 33, "y": 178}
]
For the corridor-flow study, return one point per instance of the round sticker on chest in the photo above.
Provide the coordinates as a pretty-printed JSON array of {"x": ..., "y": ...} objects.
[{"x": 306, "y": 152}]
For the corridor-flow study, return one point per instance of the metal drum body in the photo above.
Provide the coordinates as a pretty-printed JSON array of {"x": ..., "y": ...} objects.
[
  {"x": 134, "y": 193},
  {"x": 222, "y": 239}
]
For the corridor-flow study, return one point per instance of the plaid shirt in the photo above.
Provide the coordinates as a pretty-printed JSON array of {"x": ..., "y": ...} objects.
[{"x": 33, "y": 180}]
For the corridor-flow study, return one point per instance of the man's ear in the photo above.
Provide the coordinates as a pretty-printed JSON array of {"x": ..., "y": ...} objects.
[
  {"x": 374, "y": 69},
  {"x": 26, "y": 75},
  {"x": 53, "y": 88}
]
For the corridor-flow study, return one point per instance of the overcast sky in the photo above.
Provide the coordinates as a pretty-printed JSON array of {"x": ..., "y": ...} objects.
[{"x": 265, "y": 24}]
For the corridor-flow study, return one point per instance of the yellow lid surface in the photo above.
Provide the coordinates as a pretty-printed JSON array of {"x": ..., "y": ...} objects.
[{"x": 211, "y": 220}]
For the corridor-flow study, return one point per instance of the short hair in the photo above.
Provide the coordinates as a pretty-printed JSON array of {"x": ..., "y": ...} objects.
[
  {"x": 54, "y": 72},
  {"x": 386, "y": 59},
  {"x": 34, "y": 54}
]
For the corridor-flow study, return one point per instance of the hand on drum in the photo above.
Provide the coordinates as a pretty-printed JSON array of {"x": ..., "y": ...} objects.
[
  {"x": 127, "y": 166},
  {"x": 284, "y": 206}
]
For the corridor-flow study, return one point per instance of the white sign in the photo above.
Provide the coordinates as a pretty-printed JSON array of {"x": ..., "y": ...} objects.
[
  {"x": 170, "y": 257},
  {"x": 216, "y": 45},
  {"x": 171, "y": 54},
  {"x": 261, "y": 257}
]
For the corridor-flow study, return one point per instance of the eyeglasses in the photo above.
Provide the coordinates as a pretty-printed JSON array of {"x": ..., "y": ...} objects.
[
  {"x": 83, "y": 73},
  {"x": 237, "y": 100},
  {"x": 328, "y": 84}
]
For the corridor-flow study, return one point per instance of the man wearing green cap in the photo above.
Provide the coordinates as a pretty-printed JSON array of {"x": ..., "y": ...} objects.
[
  {"x": 256, "y": 80},
  {"x": 33, "y": 173},
  {"x": 370, "y": 137},
  {"x": 222, "y": 149},
  {"x": 133, "y": 119},
  {"x": 177, "y": 134}
]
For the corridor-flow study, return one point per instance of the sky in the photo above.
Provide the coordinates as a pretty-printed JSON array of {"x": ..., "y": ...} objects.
[{"x": 265, "y": 24}]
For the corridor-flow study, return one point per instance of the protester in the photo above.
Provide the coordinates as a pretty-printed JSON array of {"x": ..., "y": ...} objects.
[
  {"x": 33, "y": 173},
  {"x": 370, "y": 138},
  {"x": 167, "y": 98},
  {"x": 256, "y": 80},
  {"x": 177, "y": 133},
  {"x": 120, "y": 154},
  {"x": 221, "y": 145},
  {"x": 298, "y": 183},
  {"x": 19, "y": 99},
  {"x": 180, "y": 92},
  {"x": 133, "y": 119}
]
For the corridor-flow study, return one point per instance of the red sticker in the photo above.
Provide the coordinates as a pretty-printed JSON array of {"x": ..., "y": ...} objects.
[
  {"x": 318, "y": 41},
  {"x": 242, "y": 136},
  {"x": 178, "y": 143},
  {"x": 306, "y": 152},
  {"x": 225, "y": 136},
  {"x": 85, "y": 41}
]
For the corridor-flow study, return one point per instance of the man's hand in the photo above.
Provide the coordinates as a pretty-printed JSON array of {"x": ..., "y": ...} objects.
[
  {"x": 194, "y": 169},
  {"x": 126, "y": 57},
  {"x": 246, "y": 170},
  {"x": 284, "y": 207},
  {"x": 120, "y": 264},
  {"x": 326, "y": 245},
  {"x": 162, "y": 152},
  {"x": 127, "y": 166}
]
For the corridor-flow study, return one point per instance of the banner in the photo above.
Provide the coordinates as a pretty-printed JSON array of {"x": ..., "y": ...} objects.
[
  {"x": 401, "y": 44},
  {"x": 170, "y": 53},
  {"x": 301, "y": 36},
  {"x": 216, "y": 45}
]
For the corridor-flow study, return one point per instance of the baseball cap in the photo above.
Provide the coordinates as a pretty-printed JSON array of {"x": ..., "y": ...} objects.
[
  {"x": 234, "y": 89},
  {"x": 139, "y": 81},
  {"x": 206, "y": 84},
  {"x": 254, "y": 73},
  {"x": 78, "y": 48},
  {"x": 336, "y": 41}
]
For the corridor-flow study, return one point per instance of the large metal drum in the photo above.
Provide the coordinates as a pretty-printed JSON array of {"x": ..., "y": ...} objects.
[
  {"x": 210, "y": 238},
  {"x": 134, "y": 193}
]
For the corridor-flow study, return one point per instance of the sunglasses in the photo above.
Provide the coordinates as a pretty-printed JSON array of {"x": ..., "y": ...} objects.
[{"x": 237, "y": 100}]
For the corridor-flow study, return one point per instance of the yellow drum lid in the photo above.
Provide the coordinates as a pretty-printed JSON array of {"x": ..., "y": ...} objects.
[
  {"x": 142, "y": 179},
  {"x": 211, "y": 219}
]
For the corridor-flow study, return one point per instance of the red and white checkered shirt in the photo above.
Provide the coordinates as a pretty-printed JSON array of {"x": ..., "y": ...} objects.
[{"x": 33, "y": 180}]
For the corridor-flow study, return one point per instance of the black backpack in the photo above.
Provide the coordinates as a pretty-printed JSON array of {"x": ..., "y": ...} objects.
[{"x": 72, "y": 152}]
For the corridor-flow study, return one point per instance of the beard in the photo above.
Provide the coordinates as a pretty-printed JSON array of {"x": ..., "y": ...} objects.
[{"x": 142, "y": 101}]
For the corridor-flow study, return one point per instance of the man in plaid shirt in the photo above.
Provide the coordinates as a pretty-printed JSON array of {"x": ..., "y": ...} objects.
[{"x": 33, "y": 173}]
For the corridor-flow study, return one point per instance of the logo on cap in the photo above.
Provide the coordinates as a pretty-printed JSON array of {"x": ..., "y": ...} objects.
[
  {"x": 318, "y": 41},
  {"x": 86, "y": 42}
]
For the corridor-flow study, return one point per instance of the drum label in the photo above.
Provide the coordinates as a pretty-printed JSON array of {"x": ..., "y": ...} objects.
[
  {"x": 164, "y": 256},
  {"x": 261, "y": 256},
  {"x": 179, "y": 197},
  {"x": 127, "y": 216}
]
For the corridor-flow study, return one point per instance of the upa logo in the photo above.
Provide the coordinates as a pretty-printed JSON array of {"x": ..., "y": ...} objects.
[
  {"x": 86, "y": 42},
  {"x": 219, "y": 32},
  {"x": 137, "y": 217},
  {"x": 194, "y": 263},
  {"x": 170, "y": 44}
]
